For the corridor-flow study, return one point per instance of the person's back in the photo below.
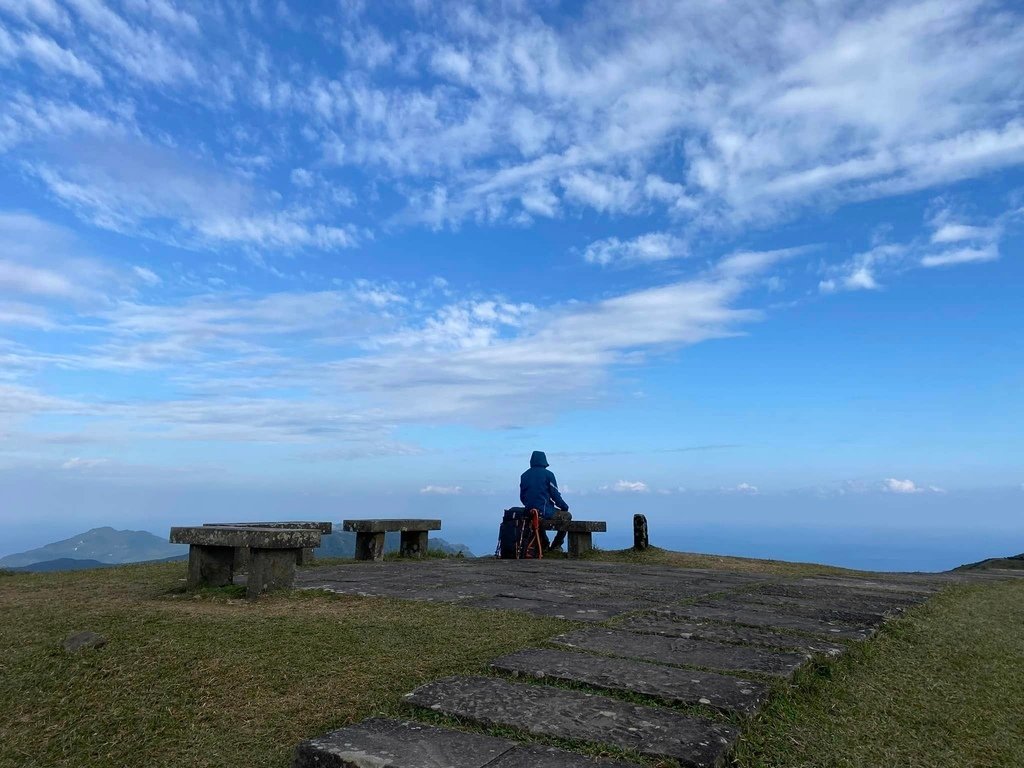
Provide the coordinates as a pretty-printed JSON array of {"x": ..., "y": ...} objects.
[{"x": 538, "y": 490}]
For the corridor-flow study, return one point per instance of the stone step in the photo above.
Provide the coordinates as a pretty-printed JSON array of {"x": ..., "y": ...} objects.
[
  {"x": 731, "y": 633},
  {"x": 670, "y": 684},
  {"x": 764, "y": 617},
  {"x": 568, "y": 714},
  {"x": 816, "y": 611},
  {"x": 877, "y": 597},
  {"x": 684, "y": 651},
  {"x": 389, "y": 743}
]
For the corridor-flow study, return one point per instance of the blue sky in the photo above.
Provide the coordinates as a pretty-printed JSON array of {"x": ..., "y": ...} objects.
[{"x": 696, "y": 252}]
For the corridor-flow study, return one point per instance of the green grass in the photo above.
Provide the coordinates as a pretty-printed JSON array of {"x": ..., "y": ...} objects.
[
  {"x": 943, "y": 687},
  {"x": 212, "y": 680}
]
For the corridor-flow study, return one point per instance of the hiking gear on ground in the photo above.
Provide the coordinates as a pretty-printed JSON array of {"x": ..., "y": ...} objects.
[{"x": 519, "y": 536}]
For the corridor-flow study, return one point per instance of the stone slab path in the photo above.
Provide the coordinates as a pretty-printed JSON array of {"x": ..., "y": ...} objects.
[
  {"x": 568, "y": 714},
  {"x": 672, "y": 662},
  {"x": 671, "y": 685}
]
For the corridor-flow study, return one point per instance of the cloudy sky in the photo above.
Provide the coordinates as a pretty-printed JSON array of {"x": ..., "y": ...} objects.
[{"x": 384, "y": 250}]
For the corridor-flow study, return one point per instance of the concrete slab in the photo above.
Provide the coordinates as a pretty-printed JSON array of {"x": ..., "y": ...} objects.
[
  {"x": 683, "y": 651},
  {"x": 731, "y": 633},
  {"x": 387, "y": 743},
  {"x": 536, "y": 756},
  {"x": 846, "y": 596},
  {"x": 817, "y": 611},
  {"x": 548, "y": 711},
  {"x": 670, "y": 684},
  {"x": 385, "y": 525},
  {"x": 764, "y": 617}
]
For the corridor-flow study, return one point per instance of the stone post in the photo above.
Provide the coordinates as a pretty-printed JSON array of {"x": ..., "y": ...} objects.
[
  {"x": 413, "y": 544},
  {"x": 640, "y": 538}
]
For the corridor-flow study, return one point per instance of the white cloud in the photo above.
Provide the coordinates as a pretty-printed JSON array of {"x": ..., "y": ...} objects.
[
  {"x": 955, "y": 233},
  {"x": 743, "y": 488},
  {"x": 626, "y": 486},
  {"x": 79, "y": 463},
  {"x": 148, "y": 276},
  {"x": 651, "y": 247},
  {"x": 149, "y": 191},
  {"x": 893, "y": 485},
  {"x": 442, "y": 490},
  {"x": 961, "y": 256}
]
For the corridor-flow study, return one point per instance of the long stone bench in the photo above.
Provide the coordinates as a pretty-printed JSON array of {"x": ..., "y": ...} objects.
[
  {"x": 272, "y": 555},
  {"x": 304, "y": 557},
  {"x": 580, "y": 533},
  {"x": 370, "y": 536}
]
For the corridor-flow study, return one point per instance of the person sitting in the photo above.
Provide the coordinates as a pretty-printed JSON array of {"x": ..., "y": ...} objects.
[{"x": 538, "y": 490}]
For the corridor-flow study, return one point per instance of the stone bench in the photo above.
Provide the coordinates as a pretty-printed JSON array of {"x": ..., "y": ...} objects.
[
  {"x": 370, "y": 536},
  {"x": 580, "y": 533},
  {"x": 304, "y": 557},
  {"x": 272, "y": 555}
]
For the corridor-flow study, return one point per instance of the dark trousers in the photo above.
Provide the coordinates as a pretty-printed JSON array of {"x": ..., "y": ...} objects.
[{"x": 559, "y": 517}]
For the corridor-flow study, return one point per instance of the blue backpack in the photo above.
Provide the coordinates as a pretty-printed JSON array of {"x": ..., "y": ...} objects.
[{"x": 519, "y": 535}]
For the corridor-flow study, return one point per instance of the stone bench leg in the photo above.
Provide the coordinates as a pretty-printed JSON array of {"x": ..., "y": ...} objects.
[
  {"x": 580, "y": 543},
  {"x": 413, "y": 544},
  {"x": 209, "y": 566},
  {"x": 270, "y": 569},
  {"x": 304, "y": 556},
  {"x": 370, "y": 546},
  {"x": 241, "y": 559}
]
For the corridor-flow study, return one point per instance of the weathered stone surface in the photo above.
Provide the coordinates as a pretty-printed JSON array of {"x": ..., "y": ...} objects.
[
  {"x": 821, "y": 612},
  {"x": 731, "y": 633},
  {"x": 846, "y": 596},
  {"x": 270, "y": 570},
  {"x": 536, "y": 756},
  {"x": 549, "y": 711},
  {"x": 683, "y": 651},
  {"x": 383, "y": 526},
  {"x": 370, "y": 545},
  {"x": 573, "y": 611},
  {"x": 386, "y": 743},
  {"x": 323, "y": 527},
  {"x": 670, "y": 684},
  {"x": 762, "y": 616},
  {"x": 80, "y": 641},
  {"x": 580, "y": 543},
  {"x": 268, "y": 538},
  {"x": 210, "y": 566},
  {"x": 575, "y": 526},
  {"x": 413, "y": 544},
  {"x": 641, "y": 539}
]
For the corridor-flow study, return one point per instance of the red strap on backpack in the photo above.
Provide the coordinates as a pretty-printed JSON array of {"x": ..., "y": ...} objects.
[{"x": 535, "y": 525}]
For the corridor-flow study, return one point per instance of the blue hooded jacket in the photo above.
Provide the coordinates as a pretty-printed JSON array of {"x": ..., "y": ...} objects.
[{"x": 538, "y": 488}]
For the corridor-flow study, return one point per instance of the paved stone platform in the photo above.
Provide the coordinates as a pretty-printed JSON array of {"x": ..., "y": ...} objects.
[
  {"x": 684, "y": 637},
  {"x": 671, "y": 685},
  {"x": 684, "y": 651},
  {"x": 568, "y": 714},
  {"x": 731, "y": 633},
  {"x": 577, "y": 590},
  {"x": 388, "y": 743}
]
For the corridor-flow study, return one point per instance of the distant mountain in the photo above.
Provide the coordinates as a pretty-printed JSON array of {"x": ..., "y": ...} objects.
[
  {"x": 103, "y": 545},
  {"x": 1014, "y": 562},
  {"x": 343, "y": 544}
]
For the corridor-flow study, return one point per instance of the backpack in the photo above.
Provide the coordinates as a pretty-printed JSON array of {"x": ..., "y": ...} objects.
[{"x": 519, "y": 535}]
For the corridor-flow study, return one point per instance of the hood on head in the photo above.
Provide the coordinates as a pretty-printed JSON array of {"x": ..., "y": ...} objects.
[{"x": 538, "y": 459}]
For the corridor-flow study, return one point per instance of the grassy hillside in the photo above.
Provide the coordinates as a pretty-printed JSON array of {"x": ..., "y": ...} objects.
[{"x": 213, "y": 680}]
